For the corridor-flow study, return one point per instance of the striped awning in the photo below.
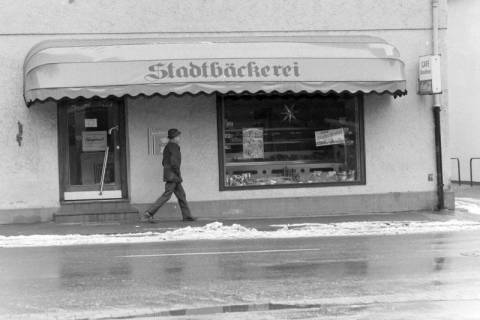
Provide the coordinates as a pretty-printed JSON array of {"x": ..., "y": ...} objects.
[{"x": 116, "y": 67}]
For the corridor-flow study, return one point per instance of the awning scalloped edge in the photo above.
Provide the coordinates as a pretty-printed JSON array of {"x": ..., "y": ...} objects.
[{"x": 395, "y": 94}]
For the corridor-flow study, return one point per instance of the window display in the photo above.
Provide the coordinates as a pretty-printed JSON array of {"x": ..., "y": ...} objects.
[{"x": 290, "y": 139}]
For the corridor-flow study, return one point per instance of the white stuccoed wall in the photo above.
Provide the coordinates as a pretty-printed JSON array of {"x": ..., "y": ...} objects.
[
  {"x": 464, "y": 80},
  {"x": 398, "y": 132},
  {"x": 28, "y": 173},
  {"x": 192, "y": 16}
]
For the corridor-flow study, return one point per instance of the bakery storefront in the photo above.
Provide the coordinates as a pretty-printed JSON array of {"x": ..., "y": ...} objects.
[
  {"x": 290, "y": 140},
  {"x": 260, "y": 115}
]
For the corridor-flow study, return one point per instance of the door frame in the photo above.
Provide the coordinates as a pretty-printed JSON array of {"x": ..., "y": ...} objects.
[{"x": 63, "y": 163}]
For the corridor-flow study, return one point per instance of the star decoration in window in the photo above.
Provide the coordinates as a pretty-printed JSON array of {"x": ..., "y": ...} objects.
[{"x": 289, "y": 113}]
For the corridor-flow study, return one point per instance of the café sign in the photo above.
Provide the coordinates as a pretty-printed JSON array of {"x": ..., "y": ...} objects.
[{"x": 429, "y": 79}]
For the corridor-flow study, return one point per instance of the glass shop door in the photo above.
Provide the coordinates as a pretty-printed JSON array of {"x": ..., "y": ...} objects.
[{"x": 92, "y": 149}]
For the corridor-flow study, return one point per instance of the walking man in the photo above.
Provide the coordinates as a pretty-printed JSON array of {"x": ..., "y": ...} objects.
[{"x": 172, "y": 159}]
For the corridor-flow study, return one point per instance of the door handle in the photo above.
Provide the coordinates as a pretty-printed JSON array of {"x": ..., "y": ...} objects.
[{"x": 112, "y": 128}]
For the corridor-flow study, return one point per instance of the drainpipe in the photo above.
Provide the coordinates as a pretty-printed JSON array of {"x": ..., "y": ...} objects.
[{"x": 436, "y": 112}]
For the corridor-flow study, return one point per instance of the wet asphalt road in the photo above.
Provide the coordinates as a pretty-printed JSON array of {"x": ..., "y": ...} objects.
[{"x": 423, "y": 276}]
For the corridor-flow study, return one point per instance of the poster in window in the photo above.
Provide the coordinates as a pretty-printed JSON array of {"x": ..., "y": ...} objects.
[
  {"x": 94, "y": 141},
  {"x": 329, "y": 137},
  {"x": 252, "y": 143}
]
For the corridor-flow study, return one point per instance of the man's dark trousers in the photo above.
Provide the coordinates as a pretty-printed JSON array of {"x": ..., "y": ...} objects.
[{"x": 177, "y": 189}]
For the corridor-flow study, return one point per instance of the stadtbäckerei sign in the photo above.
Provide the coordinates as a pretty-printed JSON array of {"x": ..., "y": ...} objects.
[{"x": 222, "y": 71}]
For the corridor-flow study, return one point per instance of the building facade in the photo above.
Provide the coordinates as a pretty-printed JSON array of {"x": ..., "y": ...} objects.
[
  {"x": 464, "y": 74},
  {"x": 289, "y": 110}
]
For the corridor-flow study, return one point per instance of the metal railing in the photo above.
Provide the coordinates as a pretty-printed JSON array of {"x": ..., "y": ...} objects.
[
  {"x": 458, "y": 170},
  {"x": 471, "y": 172}
]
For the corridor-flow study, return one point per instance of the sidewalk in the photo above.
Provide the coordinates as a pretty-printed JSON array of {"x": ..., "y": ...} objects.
[{"x": 52, "y": 228}]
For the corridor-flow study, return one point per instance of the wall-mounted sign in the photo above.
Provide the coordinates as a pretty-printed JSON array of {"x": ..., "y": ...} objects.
[
  {"x": 252, "y": 143},
  {"x": 429, "y": 78},
  {"x": 90, "y": 123},
  {"x": 329, "y": 137},
  {"x": 157, "y": 140},
  {"x": 94, "y": 141}
]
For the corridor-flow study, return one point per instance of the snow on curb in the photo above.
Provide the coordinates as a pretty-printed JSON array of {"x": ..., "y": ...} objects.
[
  {"x": 219, "y": 231},
  {"x": 468, "y": 204}
]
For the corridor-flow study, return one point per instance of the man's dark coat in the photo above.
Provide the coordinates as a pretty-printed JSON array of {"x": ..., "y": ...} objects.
[{"x": 172, "y": 159}]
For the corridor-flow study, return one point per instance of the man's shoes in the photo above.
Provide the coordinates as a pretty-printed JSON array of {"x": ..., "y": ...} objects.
[
  {"x": 189, "y": 219},
  {"x": 147, "y": 216}
]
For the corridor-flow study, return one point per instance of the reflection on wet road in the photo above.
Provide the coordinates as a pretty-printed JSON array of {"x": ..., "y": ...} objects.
[{"x": 343, "y": 277}]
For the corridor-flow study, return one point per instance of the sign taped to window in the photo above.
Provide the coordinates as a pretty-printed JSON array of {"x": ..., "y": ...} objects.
[
  {"x": 91, "y": 123},
  {"x": 329, "y": 137},
  {"x": 94, "y": 141},
  {"x": 252, "y": 143}
]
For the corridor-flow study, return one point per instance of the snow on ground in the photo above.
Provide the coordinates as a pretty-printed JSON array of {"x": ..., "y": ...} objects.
[
  {"x": 468, "y": 204},
  {"x": 219, "y": 231}
]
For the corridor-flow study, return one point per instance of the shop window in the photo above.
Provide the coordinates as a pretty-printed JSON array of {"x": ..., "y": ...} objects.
[{"x": 291, "y": 140}]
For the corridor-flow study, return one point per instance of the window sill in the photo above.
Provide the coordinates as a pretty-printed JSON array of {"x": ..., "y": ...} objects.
[{"x": 292, "y": 186}]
